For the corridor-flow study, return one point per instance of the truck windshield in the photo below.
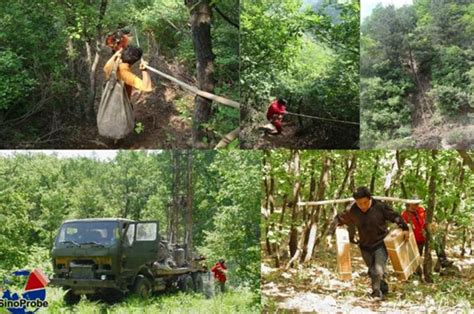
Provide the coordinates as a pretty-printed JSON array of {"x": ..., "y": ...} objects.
[{"x": 100, "y": 233}]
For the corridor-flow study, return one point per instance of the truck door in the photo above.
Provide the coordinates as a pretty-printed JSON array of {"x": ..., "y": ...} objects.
[{"x": 141, "y": 244}]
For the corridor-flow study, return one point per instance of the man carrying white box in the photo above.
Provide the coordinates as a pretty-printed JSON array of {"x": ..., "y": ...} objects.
[{"x": 370, "y": 217}]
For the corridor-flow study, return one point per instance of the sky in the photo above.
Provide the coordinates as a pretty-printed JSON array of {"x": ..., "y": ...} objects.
[
  {"x": 96, "y": 154},
  {"x": 368, "y": 5}
]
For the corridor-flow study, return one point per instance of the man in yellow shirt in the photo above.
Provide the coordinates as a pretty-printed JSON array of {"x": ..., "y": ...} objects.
[{"x": 128, "y": 57}]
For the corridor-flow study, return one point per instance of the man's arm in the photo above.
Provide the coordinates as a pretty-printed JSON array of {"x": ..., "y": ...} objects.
[
  {"x": 282, "y": 110},
  {"x": 110, "y": 63},
  {"x": 344, "y": 218},
  {"x": 146, "y": 77},
  {"x": 394, "y": 217},
  {"x": 132, "y": 80}
]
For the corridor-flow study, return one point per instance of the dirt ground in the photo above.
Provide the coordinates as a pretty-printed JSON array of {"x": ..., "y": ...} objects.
[
  {"x": 315, "y": 288},
  {"x": 321, "y": 136},
  {"x": 163, "y": 119}
]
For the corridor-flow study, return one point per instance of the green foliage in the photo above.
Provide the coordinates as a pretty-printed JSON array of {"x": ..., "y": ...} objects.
[
  {"x": 39, "y": 192},
  {"x": 450, "y": 67},
  {"x": 450, "y": 100},
  {"x": 307, "y": 55},
  {"x": 383, "y": 108},
  {"x": 414, "y": 48},
  {"x": 232, "y": 233},
  {"x": 48, "y": 50},
  {"x": 15, "y": 84},
  {"x": 453, "y": 194}
]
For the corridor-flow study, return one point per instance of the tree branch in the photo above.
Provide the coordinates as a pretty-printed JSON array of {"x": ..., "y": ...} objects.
[{"x": 225, "y": 17}]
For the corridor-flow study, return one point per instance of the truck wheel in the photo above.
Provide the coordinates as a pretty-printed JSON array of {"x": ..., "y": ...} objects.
[
  {"x": 198, "y": 283},
  {"x": 185, "y": 284},
  {"x": 70, "y": 298},
  {"x": 142, "y": 287}
]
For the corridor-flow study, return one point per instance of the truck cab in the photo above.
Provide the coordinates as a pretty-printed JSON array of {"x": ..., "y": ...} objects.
[{"x": 114, "y": 256}]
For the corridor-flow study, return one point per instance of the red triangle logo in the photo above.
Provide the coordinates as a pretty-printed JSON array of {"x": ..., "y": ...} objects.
[{"x": 36, "y": 280}]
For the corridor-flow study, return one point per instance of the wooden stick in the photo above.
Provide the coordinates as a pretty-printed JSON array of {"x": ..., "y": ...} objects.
[
  {"x": 347, "y": 200},
  {"x": 197, "y": 91},
  {"x": 226, "y": 140}
]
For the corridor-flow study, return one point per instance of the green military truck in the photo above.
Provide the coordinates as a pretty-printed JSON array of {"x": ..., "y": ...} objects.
[{"x": 113, "y": 257}]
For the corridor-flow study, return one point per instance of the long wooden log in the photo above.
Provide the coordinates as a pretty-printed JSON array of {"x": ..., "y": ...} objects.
[
  {"x": 227, "y": 139},
  {"x": 347, "y": 200},
  {"x": 197, "y": 91}
]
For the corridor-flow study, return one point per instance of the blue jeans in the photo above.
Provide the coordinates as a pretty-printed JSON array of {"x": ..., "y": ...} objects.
[{"x": 376, "y": 261}]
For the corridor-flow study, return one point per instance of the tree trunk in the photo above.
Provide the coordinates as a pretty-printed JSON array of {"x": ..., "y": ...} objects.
[
  {"x": 266, "y": 168},
  {"x": 174, "y": 210},
  {"x": 200, "y": 20},
  {"x": 95, "y": 62},
  {"x": 428, "y": 263},
  {"x": 457, "y": 201},
  {"x": 390, "y": 178},
  {"x": 189, "y": 203},
  {"x": 282, "y": 219},
  {"x": 467, "y": 159},
  {"x": 374, "y": 174},
  {"x": 293, "y": 244},
  {"x": 323, "y": 182}
]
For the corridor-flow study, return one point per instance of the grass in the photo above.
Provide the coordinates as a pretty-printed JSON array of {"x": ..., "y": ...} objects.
[{"x": 237, "y": 301}]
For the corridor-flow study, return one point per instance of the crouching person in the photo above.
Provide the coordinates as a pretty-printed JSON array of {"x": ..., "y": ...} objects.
[{"x": 220, "y": 276}]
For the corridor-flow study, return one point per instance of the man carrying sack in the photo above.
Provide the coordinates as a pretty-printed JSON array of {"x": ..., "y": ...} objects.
[
  {"x": 115, "y": 117},
  {"x": 370, "y": 217}
]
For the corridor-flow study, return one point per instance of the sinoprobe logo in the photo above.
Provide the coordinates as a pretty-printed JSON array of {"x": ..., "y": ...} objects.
[{"x": 31, "y": 299}]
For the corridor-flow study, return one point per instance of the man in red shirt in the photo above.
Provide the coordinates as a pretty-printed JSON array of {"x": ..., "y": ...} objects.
[
  {"x": 220, "y": 270},
  {"x": 275, "y": 113},
  {"x": 416, "y": 216}
]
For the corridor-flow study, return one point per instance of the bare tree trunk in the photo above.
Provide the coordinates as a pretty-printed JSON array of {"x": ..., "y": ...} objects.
[
  {"x": 457, "y": 201},
  {"x": 322, "y": 185},
  {"x": 389, "y": 179},
  {"x": 266, "y": 167},
  {"x": 174, "y": 212},
  {"x": 93, "y": 63},
  {"x": 428, "y": 263},
  {"x": 293, "y": 244},
  {"x": 467, "y": 159},
  {"x": 282, "y": 219},
  {"x": 463, "y": 247},
  {"x": 189, "y": 203},
  {"x": 374, "y": 174},
  {"x": 308, "y": 217},
  {"x": 201, "y": 16}
]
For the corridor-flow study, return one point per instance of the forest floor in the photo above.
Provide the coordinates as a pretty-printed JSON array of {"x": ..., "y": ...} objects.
[
  {"x": 316, "y": 288},
  {"x": 320, "y": 136}
]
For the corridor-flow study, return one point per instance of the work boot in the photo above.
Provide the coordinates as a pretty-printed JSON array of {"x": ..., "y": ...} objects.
[
  {"x": 384, "y": 287},
  {"x": 377, "y": 295}
]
